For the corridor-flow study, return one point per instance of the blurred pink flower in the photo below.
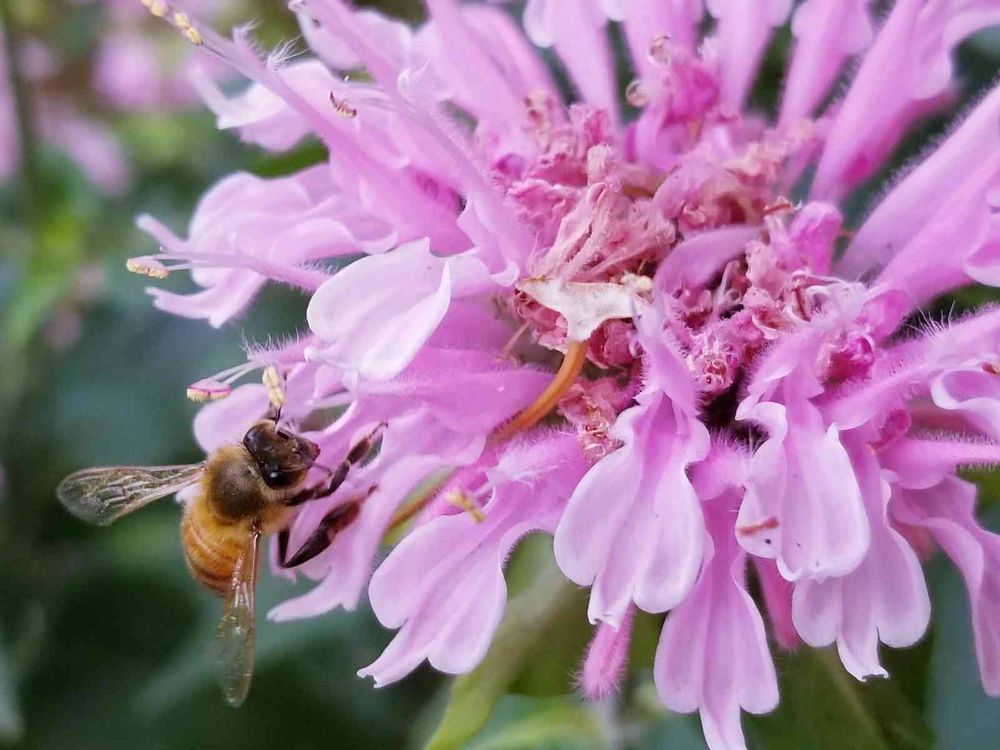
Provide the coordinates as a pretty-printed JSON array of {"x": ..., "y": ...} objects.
[
  {"x": 59, "y": 121},
  {"x": 136, "y": 69},
  {"x": 130, "y": 69},
  {"x": 732, "y": 387}
]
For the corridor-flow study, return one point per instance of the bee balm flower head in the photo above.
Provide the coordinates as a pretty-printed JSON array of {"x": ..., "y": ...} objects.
[{"x": 649, "y": 331}]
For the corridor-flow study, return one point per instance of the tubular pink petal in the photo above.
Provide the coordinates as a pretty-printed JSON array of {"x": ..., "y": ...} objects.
[
  {"x": 924, "y": 463},
  {"x": 973, "y": 392},
  {"x": 695, "y": 260},
  {"x": 827, "y": 33},
  {"x": 713, "y": 652},
  {"x": 646, "y": 20},
  {"x": 744, "y": 30},
  {"x": 885, "y": 599},
  {"x": 964, "y": 223},
  {"x": 903, "y": 212},
  {"x": 606, "y": 659},
  {"x": 903, "y": 73},
  {"x": 777, "y": 593},
  {"x": 947, "y": 512},
  {"x": 424, "y": 585},
  {"x": 576, "y": 30},
  {"x": 471, "y": 68}
]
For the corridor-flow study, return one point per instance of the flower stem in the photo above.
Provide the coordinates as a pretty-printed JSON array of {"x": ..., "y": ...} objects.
[{"x": 22, "y": 111}]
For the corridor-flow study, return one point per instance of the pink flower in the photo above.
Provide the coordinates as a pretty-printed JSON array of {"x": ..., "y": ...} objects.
[
  {"x": 721, "y": 389},
  {"x": 58, "y": 119},
  {"x": 128, "y": 69}
]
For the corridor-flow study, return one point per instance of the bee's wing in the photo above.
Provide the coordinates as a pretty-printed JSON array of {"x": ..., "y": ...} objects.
[
  {"x": 105, "y": 494},
  {"x": 236, "y": 629}
]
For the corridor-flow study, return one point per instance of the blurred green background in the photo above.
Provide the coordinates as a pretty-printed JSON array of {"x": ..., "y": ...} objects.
[{"x": 103, "y": 636}]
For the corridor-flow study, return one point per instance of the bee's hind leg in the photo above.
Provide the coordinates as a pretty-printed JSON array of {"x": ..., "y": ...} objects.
[{"x": 323, "y": 535}]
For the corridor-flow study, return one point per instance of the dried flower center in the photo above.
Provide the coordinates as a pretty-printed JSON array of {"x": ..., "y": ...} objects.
[{"x": 605, "y": 218}]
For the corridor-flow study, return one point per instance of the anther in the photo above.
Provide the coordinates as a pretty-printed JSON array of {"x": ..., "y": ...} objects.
[
  {"x": 273, "y": 382},
  {"x": 208, "y": 390},
  {"x": 183, "y": 23},
  {"x": 157, "y": 7},
  {"x": 457, "y": 497},
  {"x": 147, "y": 266},
  {"x": 636, "y": 283}
]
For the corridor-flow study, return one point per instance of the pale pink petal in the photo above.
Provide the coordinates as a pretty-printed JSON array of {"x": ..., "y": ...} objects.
[
  {"x": 802, "y": 506},
  {"x": 447, "y": 380},
  {"x": 590, "y": 524},
  {"x": 713, "y": 652},
  {"x": 247, "y": 230},
  {"x": 920, "y": 463},
  {"x": 463, "y": 59},
  {"x": 694, "y": 261},
  {"x": 625, "y": 550},
  {"x": 392, "y": 37},
  {"x": 777, "y": 593},
  {"x": 456, "y": 555},
  {"x": 885, "y": 599},
  {"x": 974, "y": 392},
  {"x": 226, "y": 421},
  {"x": 947, "y": 512},
  {"x": 378, "y": 312}
]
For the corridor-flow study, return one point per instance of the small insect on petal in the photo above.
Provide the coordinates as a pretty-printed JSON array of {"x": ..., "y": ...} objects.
[
  {"x": 147, "y": 266},
  {"x": 342, "y": 108},
  {"x": 208, "y": 390}
]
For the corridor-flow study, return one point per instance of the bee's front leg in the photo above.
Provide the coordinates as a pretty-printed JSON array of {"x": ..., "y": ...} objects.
[
  {"x": 323, "y": 535},
  {"x": 358, "y": 453}
]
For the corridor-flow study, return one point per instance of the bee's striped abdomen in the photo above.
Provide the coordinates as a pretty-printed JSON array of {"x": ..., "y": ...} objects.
[{"x": 212, "y": 545}]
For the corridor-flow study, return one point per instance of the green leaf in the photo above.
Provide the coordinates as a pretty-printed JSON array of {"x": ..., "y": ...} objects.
[
  {"x": 961, "y": 713},
  {"x": 11, "y": 721},
  {"x": 549, "y": 722},
  {"x": 523, "y": 632},
  {"x": 824, "y": 708}
]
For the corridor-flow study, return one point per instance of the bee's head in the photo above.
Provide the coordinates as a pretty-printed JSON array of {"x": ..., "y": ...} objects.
[{"x": 283, "y": 457}]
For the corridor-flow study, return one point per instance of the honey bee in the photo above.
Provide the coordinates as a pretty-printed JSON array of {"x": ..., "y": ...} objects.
[{"x": 245, "y": 490}]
